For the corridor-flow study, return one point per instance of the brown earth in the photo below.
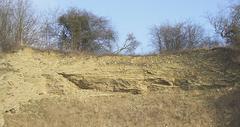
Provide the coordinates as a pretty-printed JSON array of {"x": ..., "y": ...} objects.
[{"x": 199, "y": 88}]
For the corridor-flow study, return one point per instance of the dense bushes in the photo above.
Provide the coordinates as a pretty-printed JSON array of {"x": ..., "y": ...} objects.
[{"x": 84, "y": 31}]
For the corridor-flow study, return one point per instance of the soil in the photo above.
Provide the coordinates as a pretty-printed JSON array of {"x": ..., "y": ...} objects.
[{"x": 199, "y": 88}]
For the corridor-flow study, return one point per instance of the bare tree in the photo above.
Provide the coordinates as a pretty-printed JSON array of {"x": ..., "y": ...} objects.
[
  {"x": 193, "y": 35},
  {"x": 210, "y": 42},
  {"x": 6, "y": 26},
  {"x": 129, "y": 46},
  {"x": 157, "y": 38},
  {"x": 168, "y": 38},
  {"x": 17, "y": 24},
  {"x": 49, "y": 30},
  {"x": 27, "y": 23},
  {"x": 180, "y": 36},
  {"x": 228, "y": 25}
]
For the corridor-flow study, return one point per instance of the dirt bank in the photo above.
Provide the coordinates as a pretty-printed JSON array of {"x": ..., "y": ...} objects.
[{"x": 192, "y": 88}]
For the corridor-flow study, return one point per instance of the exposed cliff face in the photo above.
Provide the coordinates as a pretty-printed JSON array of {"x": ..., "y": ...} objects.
[{"x": 165, "y": 90}]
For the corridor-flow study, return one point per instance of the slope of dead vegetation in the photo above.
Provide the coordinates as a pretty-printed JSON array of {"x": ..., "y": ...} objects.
[{"x": 194, "y": 88}]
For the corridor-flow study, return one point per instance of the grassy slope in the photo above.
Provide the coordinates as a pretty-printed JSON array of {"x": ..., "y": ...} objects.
[{"x": 192, "y": 88}]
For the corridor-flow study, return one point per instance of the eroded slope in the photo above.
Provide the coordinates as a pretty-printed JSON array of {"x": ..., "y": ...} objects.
[{"x": 165, "y": 90}]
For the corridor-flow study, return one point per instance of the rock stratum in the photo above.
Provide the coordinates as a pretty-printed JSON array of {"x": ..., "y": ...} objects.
[{"x": 199, "y": 88}]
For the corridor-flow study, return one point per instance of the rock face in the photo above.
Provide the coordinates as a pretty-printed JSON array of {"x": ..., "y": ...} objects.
[
  {"x": 112, "y": 84},
  {"x": 101, "y": 83},
  {"x": 148, "y": 88}
]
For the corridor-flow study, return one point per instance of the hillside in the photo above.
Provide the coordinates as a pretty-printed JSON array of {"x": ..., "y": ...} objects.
[{"x": 198, "y": 88}]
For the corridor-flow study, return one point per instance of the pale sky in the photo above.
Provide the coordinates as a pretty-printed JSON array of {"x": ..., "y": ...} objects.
[{"x": 138, "y": 16}]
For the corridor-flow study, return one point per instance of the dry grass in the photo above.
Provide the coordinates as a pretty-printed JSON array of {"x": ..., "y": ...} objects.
[{"x": 191, "y": 88}]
